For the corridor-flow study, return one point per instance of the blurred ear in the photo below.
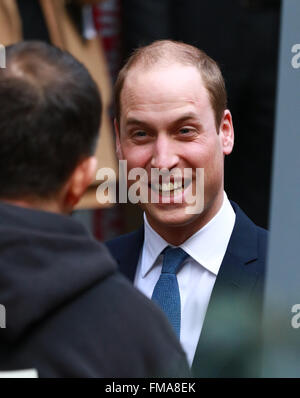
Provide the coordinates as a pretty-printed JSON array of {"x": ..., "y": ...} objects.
[
  {"x": 118, "y": 143},
  {"x": 226, "y": 133},
  {"x": 78, "y": 182}
]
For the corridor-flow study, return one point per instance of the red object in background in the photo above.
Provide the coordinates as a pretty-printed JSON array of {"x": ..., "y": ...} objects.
[
  {"x": 107, "y": 20},
  {"x": 109, "y": 223}
]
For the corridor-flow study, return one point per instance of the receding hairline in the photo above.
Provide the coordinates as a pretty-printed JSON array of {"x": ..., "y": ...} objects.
[
  {"x": 138, "y": 71},
  {"x": 164, "y": 52},
  {"x": 168, "y": 49},
  {"x": 161, "y": 64}
]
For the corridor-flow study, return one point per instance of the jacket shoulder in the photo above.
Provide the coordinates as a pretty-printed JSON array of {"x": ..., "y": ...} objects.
[
  {"x": 126, "y": 247},
  {"x": 122, "y": 240}
]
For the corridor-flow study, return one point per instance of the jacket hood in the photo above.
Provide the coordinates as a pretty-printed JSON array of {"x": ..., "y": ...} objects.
[{"x": 46, "y": 259}]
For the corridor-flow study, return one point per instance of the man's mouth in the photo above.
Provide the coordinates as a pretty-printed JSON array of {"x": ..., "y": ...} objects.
[{"x": 170, "y": 188}]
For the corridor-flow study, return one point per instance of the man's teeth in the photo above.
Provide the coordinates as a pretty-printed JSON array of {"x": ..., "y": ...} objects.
[{"x": 168, "y": 187}]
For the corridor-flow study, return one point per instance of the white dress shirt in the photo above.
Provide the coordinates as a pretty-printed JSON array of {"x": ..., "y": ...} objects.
[{"x": 196, "y": 278}]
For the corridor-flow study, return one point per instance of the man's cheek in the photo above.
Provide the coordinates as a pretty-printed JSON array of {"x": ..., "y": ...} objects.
[{"x": 136, "y": 158}]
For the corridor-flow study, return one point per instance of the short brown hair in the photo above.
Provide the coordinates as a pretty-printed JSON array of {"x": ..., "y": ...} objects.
[{"x": 169, "y": 50}]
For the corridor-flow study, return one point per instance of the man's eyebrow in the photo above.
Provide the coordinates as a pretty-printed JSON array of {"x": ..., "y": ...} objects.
[
  {"x": 133, "y": 121},
  {"x": 188, "y": 116}
]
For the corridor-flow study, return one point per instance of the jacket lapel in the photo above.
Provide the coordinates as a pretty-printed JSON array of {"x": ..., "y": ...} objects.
[
  {"x": 230, "y": 322},
  {"x": 128, "y": 252}
]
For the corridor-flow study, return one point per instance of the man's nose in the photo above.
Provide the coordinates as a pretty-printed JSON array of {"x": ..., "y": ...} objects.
[{"x": 164, "y": 153}]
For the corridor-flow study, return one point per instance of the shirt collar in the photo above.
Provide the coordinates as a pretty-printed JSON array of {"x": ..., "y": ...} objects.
[
  {"x": 207, "y": 246},
  {"x": 154, "y": 244}
]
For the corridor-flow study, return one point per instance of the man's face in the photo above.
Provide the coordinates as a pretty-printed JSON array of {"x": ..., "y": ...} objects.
[{"x": 167, "y": 122}]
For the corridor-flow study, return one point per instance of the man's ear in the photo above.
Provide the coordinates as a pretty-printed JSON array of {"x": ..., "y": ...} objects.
[
  {"x": 118, "y": 143},
  {"x": 78, "y": 182},
  {"x": 226, "y": 133}
]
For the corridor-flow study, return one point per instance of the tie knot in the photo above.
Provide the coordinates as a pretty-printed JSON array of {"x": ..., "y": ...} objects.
[{"x": 173, "y": 258}]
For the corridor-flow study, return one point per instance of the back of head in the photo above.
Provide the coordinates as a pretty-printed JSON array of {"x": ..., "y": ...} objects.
[
  {"x": 50, "y": 112},
  {"x": 166, "y": 52}
]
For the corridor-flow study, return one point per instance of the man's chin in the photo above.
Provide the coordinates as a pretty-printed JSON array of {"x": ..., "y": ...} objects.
[{"x": 167, "y": 215}]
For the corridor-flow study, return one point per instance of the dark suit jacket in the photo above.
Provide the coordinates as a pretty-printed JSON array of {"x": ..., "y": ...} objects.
[{"x": 229, "y": 344}]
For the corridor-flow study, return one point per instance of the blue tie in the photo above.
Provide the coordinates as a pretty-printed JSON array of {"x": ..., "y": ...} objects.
[{"x": 166, "y": 291}]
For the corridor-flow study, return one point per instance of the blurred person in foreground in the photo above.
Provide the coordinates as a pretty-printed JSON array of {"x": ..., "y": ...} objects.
[
  {"x": 204, "y": 269},
  {"x": 69, "y": 312}
]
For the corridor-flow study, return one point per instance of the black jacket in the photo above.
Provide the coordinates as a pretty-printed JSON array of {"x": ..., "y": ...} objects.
[{"x": 69, "y": 313}]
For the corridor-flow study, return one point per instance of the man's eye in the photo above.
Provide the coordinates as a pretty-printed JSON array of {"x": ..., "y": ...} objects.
[
  {"x": 140, "y": 134},
  {"x": 185, "y": 130}
]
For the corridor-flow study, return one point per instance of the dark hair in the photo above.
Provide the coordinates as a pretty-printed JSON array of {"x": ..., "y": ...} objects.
[
  {"x": 166, "y": 51},
  {"x": 50, "y": 112}
]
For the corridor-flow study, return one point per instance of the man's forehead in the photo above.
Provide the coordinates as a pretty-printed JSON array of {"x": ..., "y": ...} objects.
[
  {"x": 159, "y": 71},
  {"x": 163, "y": 85}
]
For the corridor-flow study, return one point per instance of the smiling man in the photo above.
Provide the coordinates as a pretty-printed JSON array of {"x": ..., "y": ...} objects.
[{"x": 204, "y": 269}]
